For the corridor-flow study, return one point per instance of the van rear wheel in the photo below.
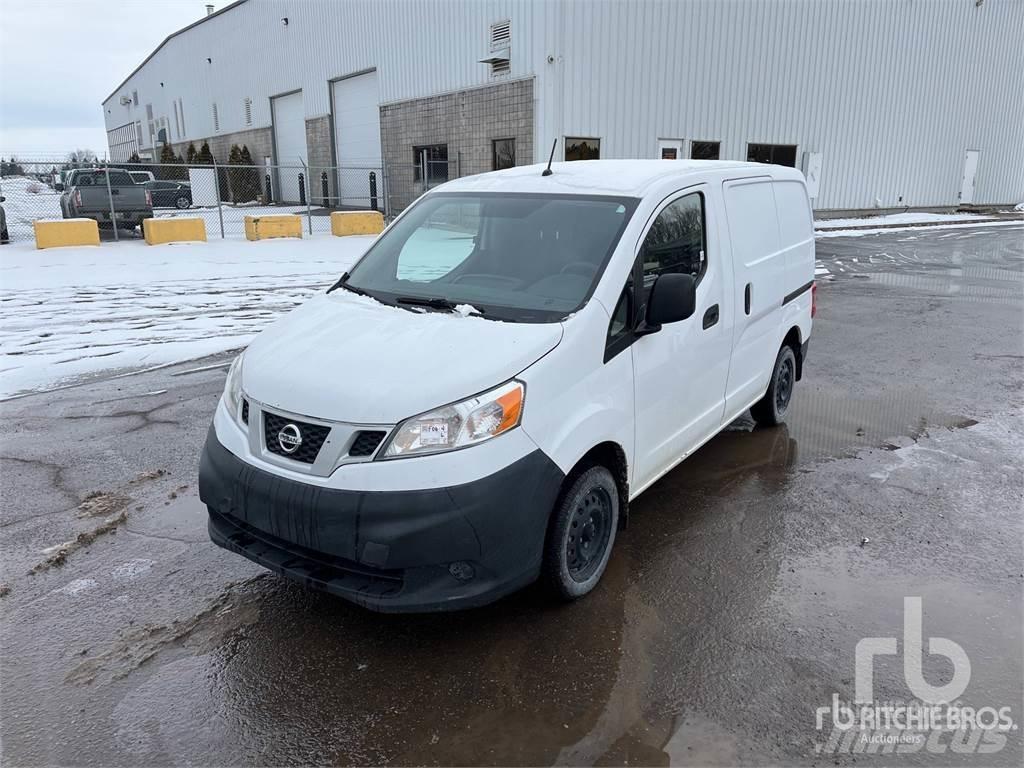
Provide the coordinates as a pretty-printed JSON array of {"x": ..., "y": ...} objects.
[
  {"x": 581, "y": 534},
  {"x": 771, "y": 409}
]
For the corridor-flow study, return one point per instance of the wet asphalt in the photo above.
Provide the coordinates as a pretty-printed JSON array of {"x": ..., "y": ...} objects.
[{"x": 729, "y": 613}]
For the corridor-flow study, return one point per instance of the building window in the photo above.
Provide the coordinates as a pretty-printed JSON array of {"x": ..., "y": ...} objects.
[
  {"x": 705, "y": 150},
  {"x": 582, "y": 149},
  {"x": 778, "y": 154},
  {"x": 135, "y": 98},
  {"x": 431, "y": 159},
  {"x": 503, "y": 154}
]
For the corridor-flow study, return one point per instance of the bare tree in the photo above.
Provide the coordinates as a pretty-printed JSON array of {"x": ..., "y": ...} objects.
[{"x": 81, "y": 156}]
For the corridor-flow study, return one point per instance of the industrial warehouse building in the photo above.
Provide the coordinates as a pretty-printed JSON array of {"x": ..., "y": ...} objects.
[{"x": 884, "y": 104}]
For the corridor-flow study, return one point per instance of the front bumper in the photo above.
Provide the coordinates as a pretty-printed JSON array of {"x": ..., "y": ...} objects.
[{"x": 386, "y": 550}]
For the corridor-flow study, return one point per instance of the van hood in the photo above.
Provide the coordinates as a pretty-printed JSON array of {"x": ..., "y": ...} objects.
[{"x": 344, "y": 357}]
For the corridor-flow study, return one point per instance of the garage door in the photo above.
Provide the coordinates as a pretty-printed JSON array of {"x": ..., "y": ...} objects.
[
  {"x": 357, "y": 138},
  {"x": 289, "y": 116}
]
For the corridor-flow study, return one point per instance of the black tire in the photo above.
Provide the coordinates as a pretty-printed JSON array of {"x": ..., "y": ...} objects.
[
  {"x": 182, "y": 202},
  {"x": 581, "y": 534},
  {"x": 4, "y": 237},
  {"x": 771, "y": 409}
]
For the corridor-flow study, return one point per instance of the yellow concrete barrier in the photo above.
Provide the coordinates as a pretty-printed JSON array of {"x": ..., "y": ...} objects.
[
  {"x": 275, "y": 225},
  {"x": 174, "y": 230},
  {"x": 356, "y": 223},
  {"x": 54, "y": 233}
]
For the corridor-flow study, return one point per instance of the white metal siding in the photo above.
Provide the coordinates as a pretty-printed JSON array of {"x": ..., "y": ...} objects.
[{"x": 890, "y": 92}]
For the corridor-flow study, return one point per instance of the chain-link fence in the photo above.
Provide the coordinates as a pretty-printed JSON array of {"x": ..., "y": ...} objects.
[
  {"x": 120, "y": 195},
  {"x": 72, "y": 186},
  {"x": 407, "y": 181}
]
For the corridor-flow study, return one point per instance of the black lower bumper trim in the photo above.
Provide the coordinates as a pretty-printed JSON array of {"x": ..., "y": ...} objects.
[{"x": 388, "y": 551}]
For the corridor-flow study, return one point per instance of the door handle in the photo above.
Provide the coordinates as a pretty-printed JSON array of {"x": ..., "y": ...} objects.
[
  {"x": 115, "y": 191},
  {"x": 711, "y": 316},
  {"x": 746, "y": 299}
]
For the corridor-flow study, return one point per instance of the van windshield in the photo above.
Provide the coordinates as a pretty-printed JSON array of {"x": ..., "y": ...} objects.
[{"x": 513, "y": 257}]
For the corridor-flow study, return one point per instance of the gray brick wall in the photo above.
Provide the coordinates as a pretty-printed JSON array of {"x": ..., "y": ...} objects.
[{"x": 467, "y": 121}]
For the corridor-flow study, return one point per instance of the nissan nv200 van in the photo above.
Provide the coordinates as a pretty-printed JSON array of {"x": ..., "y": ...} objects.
[{"x": 473, "y": 405}]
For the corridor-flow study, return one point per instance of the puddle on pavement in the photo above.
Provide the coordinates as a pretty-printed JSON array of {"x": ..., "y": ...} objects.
[{"x": 829, "y": 424}]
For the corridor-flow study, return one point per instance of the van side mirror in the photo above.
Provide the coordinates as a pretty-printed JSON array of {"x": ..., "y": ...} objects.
[
  {"x": 59, "y": 187},
  {"x": 673, "y": 298}
]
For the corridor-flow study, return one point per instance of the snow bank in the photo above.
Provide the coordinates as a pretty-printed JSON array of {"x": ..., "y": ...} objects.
[
  {"x": 24, "y": 206},
  {"x": 68, "y": 313},
  {"x": 898, "y": 218},
  {"x": 819, "y": 234}
]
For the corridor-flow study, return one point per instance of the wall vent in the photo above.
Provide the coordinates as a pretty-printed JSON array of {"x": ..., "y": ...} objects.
[
  {"x": 501, "y": 43},
  {"x": 501, "y": 34},
  {"x": 248, "y": 111},
  {"x": 216, "y": 119}
]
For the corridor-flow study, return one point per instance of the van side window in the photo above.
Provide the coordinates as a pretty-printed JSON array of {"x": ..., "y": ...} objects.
[{"x": 676, "y": 242}]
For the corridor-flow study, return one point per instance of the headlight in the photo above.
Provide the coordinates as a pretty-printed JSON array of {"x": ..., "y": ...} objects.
[
  {"x": 460, "y": 424},
  {"x": 233, "y": 389}
]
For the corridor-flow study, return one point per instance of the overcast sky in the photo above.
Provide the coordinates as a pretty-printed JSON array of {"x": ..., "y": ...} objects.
[{"x": 49, "y": 94}]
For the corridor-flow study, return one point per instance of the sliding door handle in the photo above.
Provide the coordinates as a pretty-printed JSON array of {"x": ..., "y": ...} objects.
[{"x": 746, "y": 299}]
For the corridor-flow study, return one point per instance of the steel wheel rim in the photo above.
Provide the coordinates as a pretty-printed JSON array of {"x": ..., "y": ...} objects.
[
  {"x": 588, "y": 535},
  {"x": 784, "y": 385}
]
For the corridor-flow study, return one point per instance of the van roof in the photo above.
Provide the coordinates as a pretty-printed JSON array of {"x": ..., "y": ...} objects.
[{"x": 629, "y": 178}]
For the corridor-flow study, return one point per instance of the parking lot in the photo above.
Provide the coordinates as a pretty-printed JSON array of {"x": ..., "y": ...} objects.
[{"x": 729, "y": 614}]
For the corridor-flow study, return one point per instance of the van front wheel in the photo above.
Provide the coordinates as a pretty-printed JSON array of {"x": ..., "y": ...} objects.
[
  {"x": 581, "y": 534},
  {"x": 771, "y": 409}
]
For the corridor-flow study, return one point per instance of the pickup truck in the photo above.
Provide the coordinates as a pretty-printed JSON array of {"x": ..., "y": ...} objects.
[{"x": 85, "y": 197}]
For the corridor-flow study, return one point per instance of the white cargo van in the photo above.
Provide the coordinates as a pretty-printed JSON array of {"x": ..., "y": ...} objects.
[{"x": 475, "y": 403}]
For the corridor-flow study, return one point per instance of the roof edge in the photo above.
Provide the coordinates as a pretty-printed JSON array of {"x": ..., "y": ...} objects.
[{"x": 167, "y": 39}]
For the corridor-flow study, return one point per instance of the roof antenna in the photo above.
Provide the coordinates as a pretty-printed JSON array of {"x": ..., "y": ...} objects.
[{"x": 548, "y": 171}]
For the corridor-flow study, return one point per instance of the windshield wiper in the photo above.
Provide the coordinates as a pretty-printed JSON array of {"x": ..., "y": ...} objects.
[
  {"x": 434, "y": 302},
  {"x": 343, "y": 283}
]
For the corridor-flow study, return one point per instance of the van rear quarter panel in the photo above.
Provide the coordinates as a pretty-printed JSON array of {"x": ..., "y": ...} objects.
[
  {"x": 760, "y": 263},
  {"x": 796, "y": 230}
]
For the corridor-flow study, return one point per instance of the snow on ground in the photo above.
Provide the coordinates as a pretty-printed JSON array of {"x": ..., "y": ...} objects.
[
  {"x": 899, "y": 218},
  {"x": 819, "y": 234},
  {"x": 22, "y": 206},
  {"x": 68, "y": 313}
]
